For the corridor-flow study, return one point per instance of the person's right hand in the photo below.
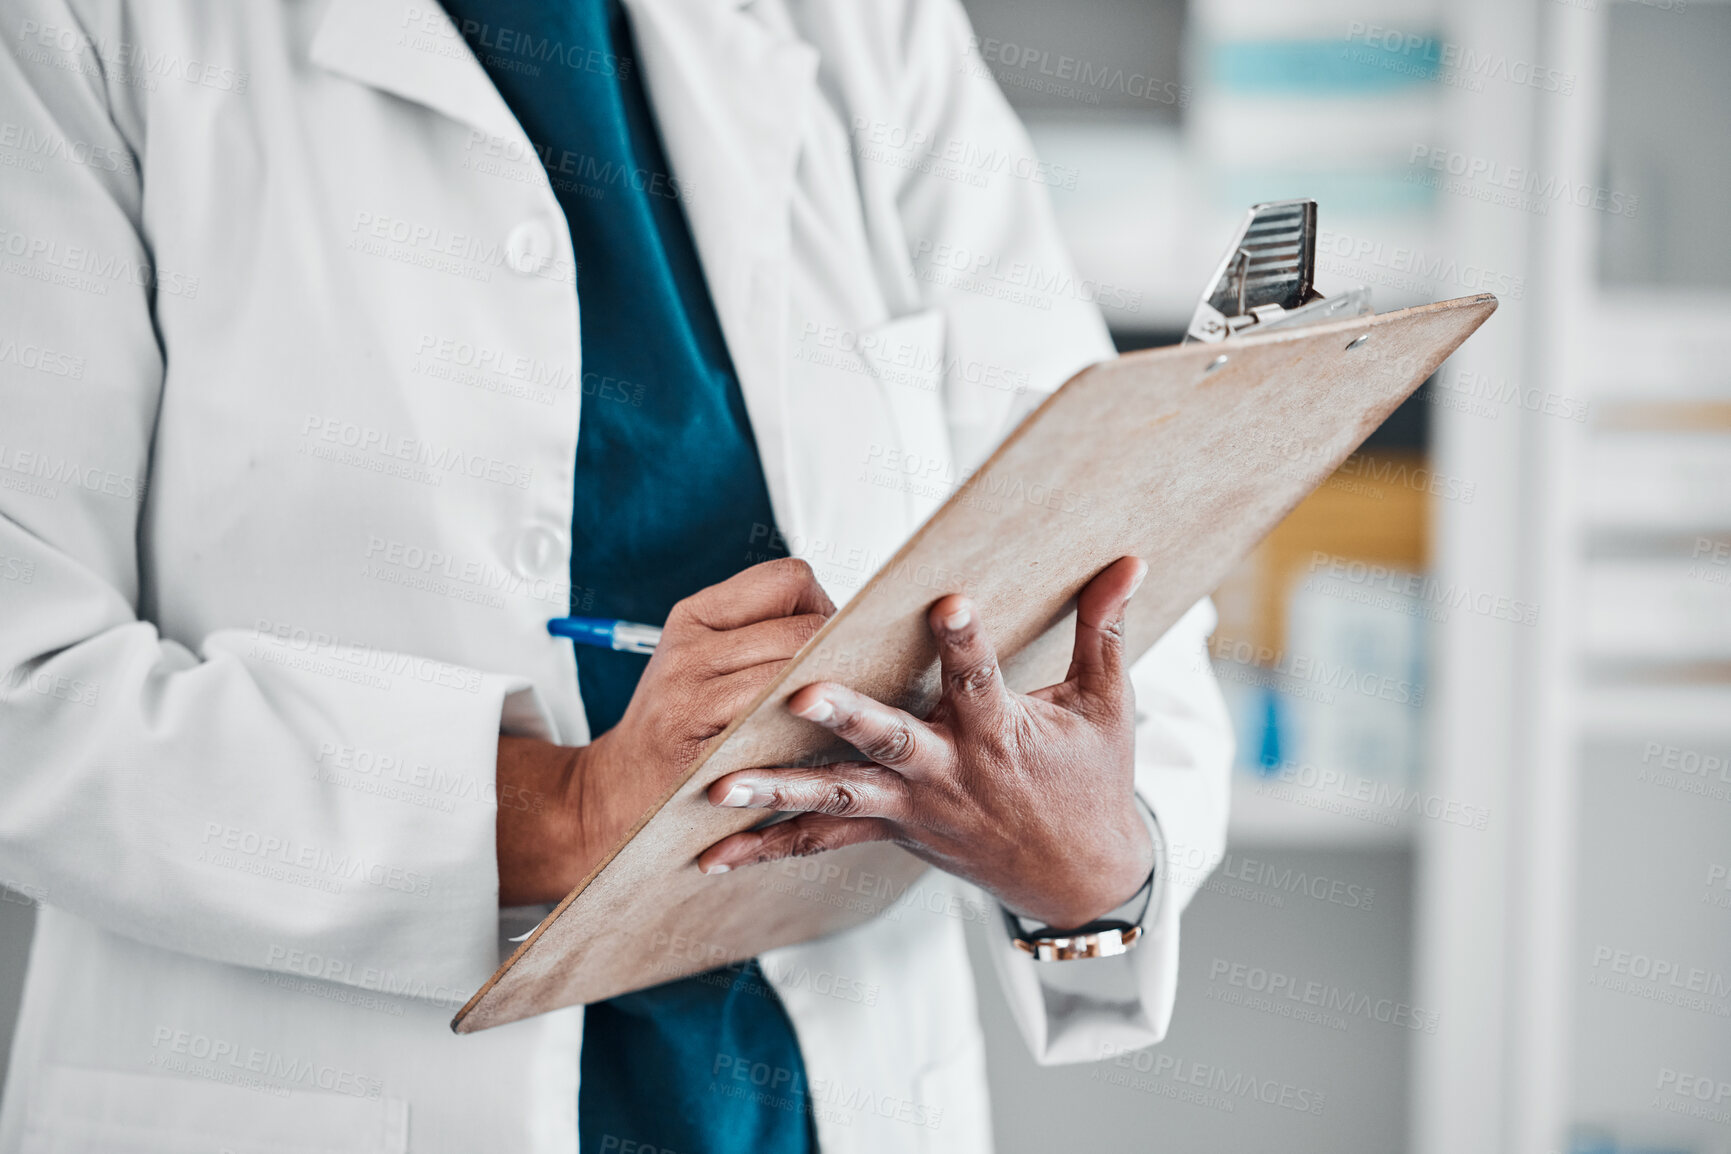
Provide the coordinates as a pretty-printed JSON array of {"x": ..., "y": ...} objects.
[{"x": 562, "y": 809}]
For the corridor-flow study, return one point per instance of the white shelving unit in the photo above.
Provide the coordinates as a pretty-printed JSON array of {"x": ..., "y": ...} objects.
[
  {"x": 1582, "y": 518},
  {"x": 1465, "y": 1081},
  {"x": 1585, "y": 524}
]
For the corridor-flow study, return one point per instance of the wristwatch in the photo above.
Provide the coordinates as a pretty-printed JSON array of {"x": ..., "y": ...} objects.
[{"x": 1116, "y": 933}]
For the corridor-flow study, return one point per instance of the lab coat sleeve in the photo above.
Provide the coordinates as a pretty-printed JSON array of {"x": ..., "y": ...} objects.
[
  {"x": 180, "y": 794},
  {"x": 1086, "y": 1010},
  {"x": 985, "y": 248}
]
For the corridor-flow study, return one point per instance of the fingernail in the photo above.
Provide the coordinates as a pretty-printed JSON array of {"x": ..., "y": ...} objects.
[
  {"x": 739, "y": 795},
  {"x": 1137, "y": 584},
  {"x": 719, "y": 867},
  {"x": 820, "y": 711},
  {"x": 960, "y": 618}
]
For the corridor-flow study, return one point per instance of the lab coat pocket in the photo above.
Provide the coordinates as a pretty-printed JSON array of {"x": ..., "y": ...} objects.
[
  {"x": 83, "y": 1111},
  {"x": 906, "y": 355}
]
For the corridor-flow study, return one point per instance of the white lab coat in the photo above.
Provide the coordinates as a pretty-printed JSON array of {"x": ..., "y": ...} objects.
[{"x": 289, "y": 393}]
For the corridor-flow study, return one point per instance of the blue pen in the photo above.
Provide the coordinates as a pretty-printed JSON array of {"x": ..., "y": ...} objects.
[{"x": 624, "y": 636}]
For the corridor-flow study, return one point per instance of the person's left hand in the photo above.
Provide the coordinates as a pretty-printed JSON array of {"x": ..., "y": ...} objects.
[{"x": 1030, "y": 796}]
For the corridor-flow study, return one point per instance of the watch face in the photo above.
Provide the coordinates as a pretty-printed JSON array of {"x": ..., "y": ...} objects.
[{"x": 1101, "y": 943}]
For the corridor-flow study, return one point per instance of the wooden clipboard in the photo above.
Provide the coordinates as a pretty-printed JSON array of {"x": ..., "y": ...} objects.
[{"x": 1185, "y": 456}]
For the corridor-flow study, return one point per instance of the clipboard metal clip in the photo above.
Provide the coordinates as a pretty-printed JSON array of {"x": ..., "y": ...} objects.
[{"x": 1265, "y": 279}]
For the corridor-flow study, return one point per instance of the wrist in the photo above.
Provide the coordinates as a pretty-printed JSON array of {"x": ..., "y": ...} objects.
[
  {"x": 1116, "y": 870},
  {"x": 538, "y": 835}
]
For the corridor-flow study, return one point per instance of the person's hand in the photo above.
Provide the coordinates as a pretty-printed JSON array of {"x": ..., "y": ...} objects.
[
  {"x": 562, "y": 809},
  {"x": 1030, "y": 796}
]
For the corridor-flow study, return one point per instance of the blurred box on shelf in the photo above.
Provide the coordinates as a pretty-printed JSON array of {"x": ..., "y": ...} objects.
[
  {"x": 1321, "y": 647},
  {"x": 1359, "y": 669},
  {"x": 1374, "y": 509}
]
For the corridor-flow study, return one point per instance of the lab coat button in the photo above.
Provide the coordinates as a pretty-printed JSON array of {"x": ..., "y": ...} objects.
[
  {"x": 529, "y": 248},
  {"x": 540, "y": 552}
]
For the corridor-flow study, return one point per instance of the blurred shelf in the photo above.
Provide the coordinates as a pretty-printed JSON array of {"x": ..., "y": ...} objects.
[
  {"x": 1652, "y": 712},
  {"x": 1657, "y": 610},
  {"x": 1644, "y": 475},
  {"x": 1269, "y": 814}
]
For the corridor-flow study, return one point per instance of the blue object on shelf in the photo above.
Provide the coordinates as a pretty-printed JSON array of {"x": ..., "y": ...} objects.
[
  {"x": 1268, "y": 755},
  {"x": 1328, "y": 67}
]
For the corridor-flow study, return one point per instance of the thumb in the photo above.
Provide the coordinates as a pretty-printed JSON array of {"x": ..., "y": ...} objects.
[{"x": 1097, "y": 663}]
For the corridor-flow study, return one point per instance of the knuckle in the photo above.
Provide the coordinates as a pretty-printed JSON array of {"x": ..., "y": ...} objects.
[
  {"x": 1112, "y": 633},
  {"x": 841, "y": 800},
  {"x": 767, "y": 849},
  {"x": 974, "y": 680},
  {"x": 804, "y": 842},
  {"x": 851, "y": 726},
  {"x": 895, "y": 747},
  {"x": 688, "y": 620},
  {"x": 793, "y": 571}
]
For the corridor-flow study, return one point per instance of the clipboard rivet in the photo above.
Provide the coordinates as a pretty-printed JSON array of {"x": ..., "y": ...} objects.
[
  {"x": 1356, "y": 341},
  {"x": 1215, "y": 363}
]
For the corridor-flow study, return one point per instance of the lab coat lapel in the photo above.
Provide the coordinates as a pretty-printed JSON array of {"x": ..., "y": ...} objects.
[
  {"x": 730, "y": 96},
  {"x": 392, "y": 45}
]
